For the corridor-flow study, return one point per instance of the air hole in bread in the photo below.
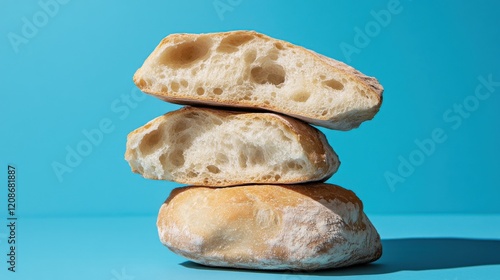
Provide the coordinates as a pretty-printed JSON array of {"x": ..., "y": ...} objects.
[
  {"x": 217, "y": 91},
  {"x": 242, "y": 160},
  {"x": 174, "y": 86},
  {"x": 184, "y": 83},
  {"x": 151, "y": 141},
  {"x": 213, "y": 169},
  {"x": 250, "y": 56},
  {"x": 277, "y": 177},
  {"x": 232, "y": 42},
  {"x": 273, "y": 55},
  {"x": 299, "y": 64},
  {"x": 279, "y": 46},
  {"x": 256, "y": 155},
  {"x": 200, "y": 91},
  {"x": 141, "y": 83},
  {"x": 294, "y": 165},
  {"x": 163, "y": 161},
  {"x": 324, "y": 113},
  {"x": 334, "y": 84},
  {"x": 301, "y": 96},
  {"x": 269, "y": 73},
  {"x": 184, "y": 54},
  {"x": 179, "y": 126},
  {"x": 221, "y": 159},
  {"x": 164, "y": 88},
  {"x": 192, "y": 174},
  {"x": 176, "y": 158},
  {"x": 275, "y": 79},
  {"x": 273, "y": 94},
  {"x": 322, "y": 77},
  {"x": 266, "y": 177}
]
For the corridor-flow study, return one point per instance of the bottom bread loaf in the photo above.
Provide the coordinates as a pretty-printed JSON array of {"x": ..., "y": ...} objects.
[{"x": 286, "y": 227}]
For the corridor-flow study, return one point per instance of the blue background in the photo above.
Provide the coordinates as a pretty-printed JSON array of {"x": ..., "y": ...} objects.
[{"x": 76, "y": 69}]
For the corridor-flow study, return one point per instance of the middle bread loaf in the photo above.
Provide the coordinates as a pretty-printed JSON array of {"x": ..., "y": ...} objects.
[{"x": 216, "y": 148}]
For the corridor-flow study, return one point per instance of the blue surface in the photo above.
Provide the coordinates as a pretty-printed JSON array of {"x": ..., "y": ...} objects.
[{"x": 66, "y": 70}]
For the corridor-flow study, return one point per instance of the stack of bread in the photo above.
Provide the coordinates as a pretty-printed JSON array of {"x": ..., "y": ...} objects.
[{"x": 244, "y": 143}]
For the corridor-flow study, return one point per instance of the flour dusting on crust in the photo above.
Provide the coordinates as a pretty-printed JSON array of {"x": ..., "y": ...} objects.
[{"x": 304, "y": 227}]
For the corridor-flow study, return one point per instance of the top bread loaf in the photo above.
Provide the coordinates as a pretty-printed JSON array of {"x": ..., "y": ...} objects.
[{"x": 251, "y": 70}]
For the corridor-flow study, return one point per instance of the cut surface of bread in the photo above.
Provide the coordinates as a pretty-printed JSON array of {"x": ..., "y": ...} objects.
[
  {"x": 249, "y": 69},
  {"x": 209, "y": 147},
  {"x": 287, "y": 227}
]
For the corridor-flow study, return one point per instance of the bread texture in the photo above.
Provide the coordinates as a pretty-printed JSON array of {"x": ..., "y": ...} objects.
[
  {"x": 210, "y": 147},
  {"x": 252, "y": 70},
  {"x": 288, "y": 227}
]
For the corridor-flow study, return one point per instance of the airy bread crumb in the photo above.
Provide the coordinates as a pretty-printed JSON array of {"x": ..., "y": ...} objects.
[
  {"x": 209, "y": 147},
  {"x": 252, "y": 70}
]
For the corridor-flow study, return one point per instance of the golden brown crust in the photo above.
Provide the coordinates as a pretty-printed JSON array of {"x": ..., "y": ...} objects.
[{"x": 299, "y": 227}]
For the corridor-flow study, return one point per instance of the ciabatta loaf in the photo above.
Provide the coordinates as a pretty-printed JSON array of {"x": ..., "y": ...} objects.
[
  {"x": 249, "y": 69},
  {"x": 209, "y": 147},
  {"x": 296, "y": 227}
]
